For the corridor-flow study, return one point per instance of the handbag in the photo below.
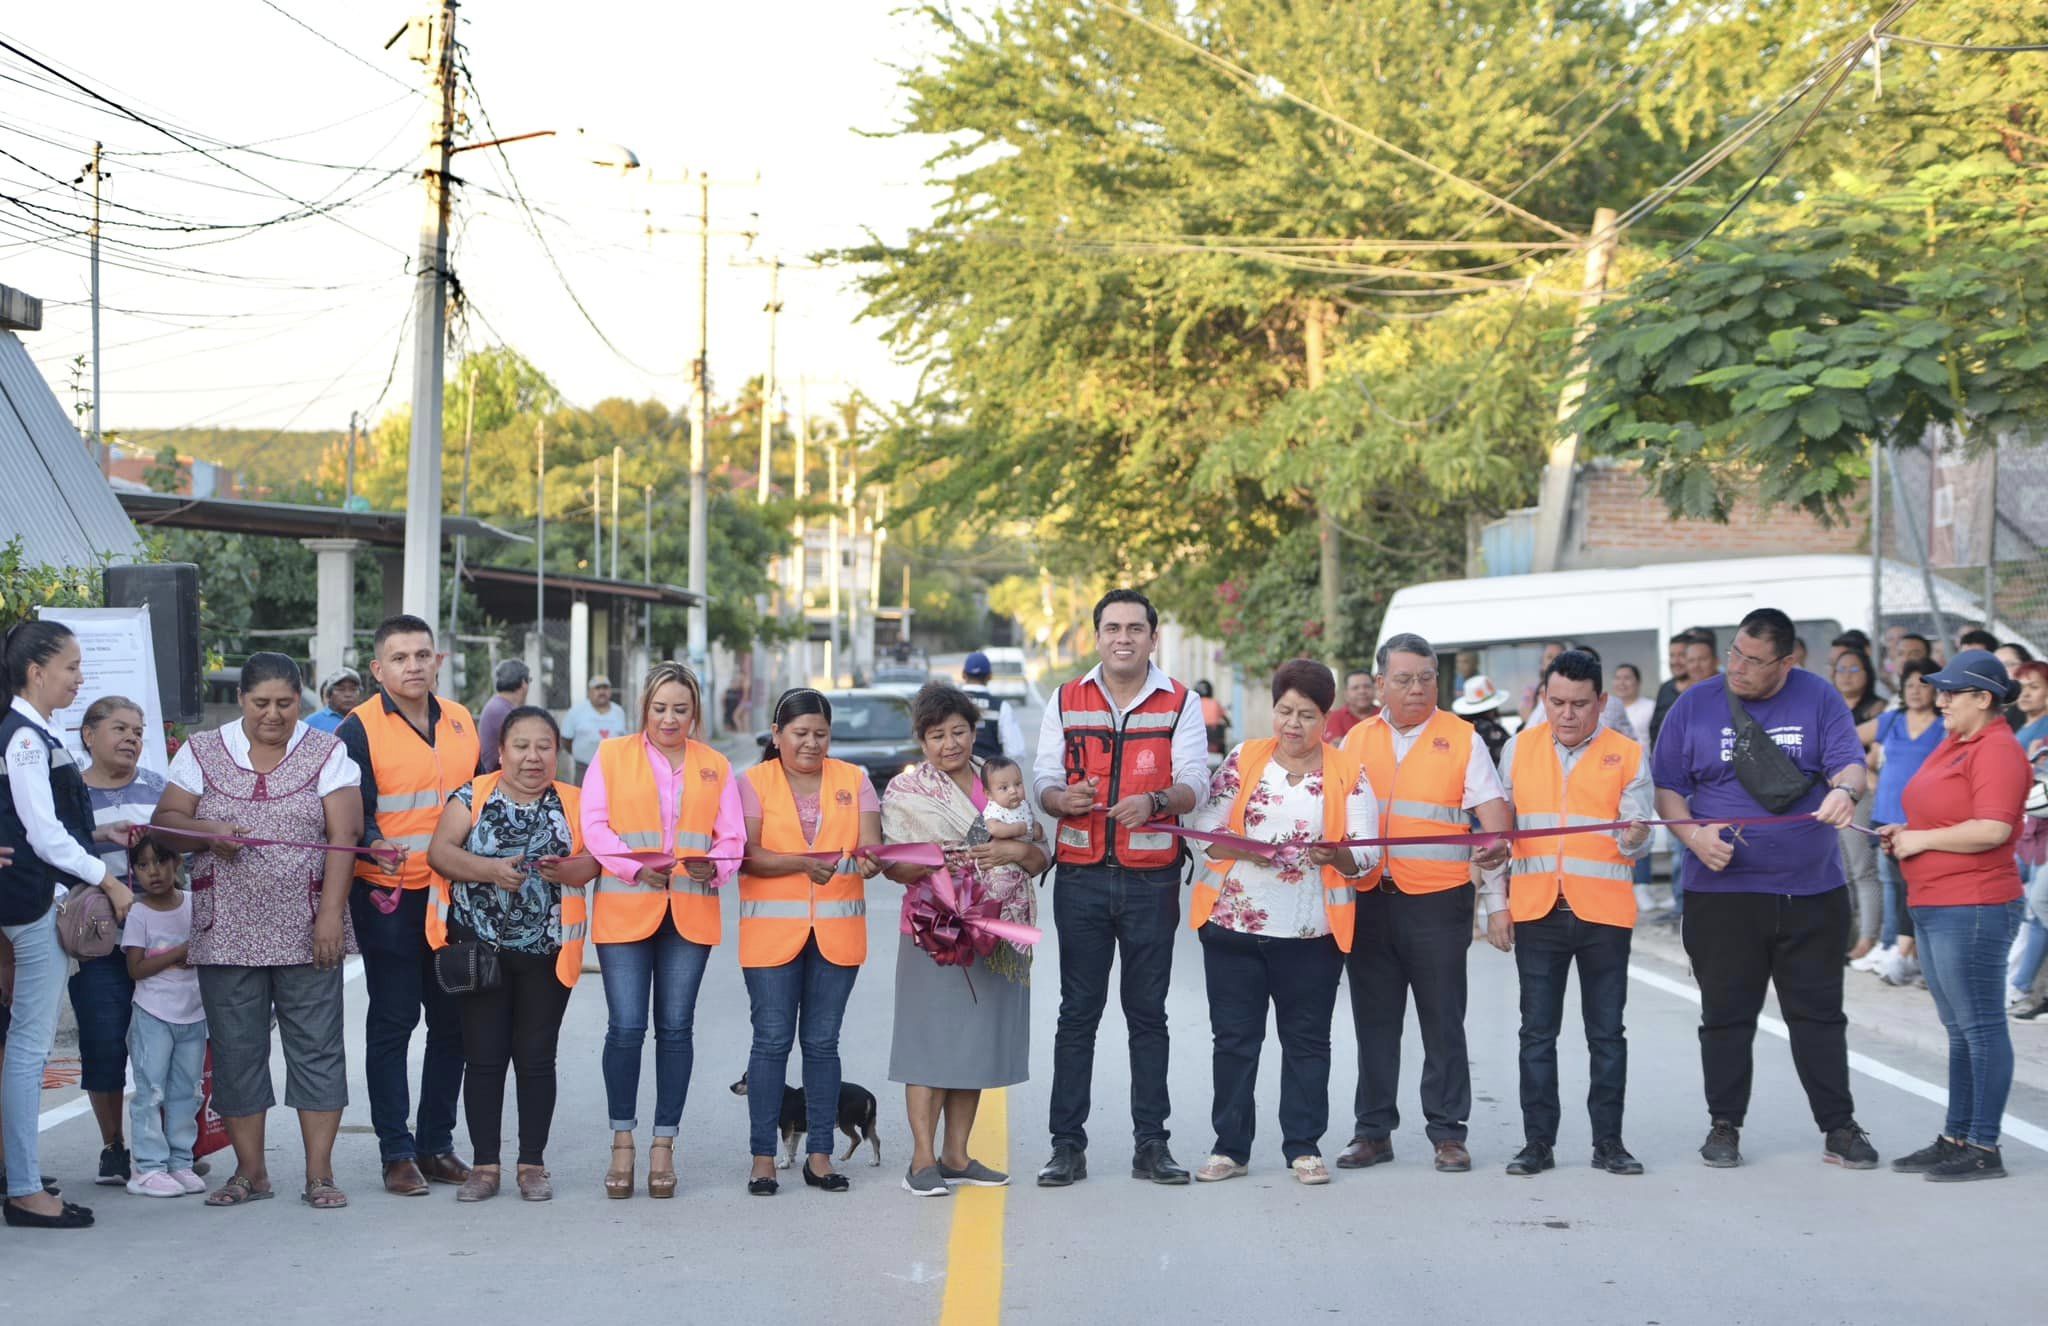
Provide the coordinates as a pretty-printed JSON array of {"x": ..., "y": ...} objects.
[
  {"x": 86, "y": 927},
  {"x": 1765, "y": 771},
  {"x": 467, "y": 967}
]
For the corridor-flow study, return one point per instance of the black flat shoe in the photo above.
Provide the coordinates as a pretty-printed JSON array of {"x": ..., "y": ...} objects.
[
  {"x": 73, "y": 1216},
  {"x": 763, "y": 1187},
  {"x": 833, "y": 1182}
]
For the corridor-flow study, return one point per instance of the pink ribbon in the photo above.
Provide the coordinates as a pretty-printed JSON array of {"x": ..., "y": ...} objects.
[
  {"x": 1481, "y": 838},
  {"x": 389, "y": 859},
  {"x": 956, "y": 924}
]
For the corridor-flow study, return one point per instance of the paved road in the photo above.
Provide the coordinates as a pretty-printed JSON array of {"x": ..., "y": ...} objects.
[{"x": 1783, "y": 1239}]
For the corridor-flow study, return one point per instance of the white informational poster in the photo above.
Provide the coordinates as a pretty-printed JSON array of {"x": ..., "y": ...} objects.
[{"x": 119, "y": 658}]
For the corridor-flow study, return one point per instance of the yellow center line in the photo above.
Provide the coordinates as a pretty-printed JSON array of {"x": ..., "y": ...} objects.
[{"x": 974, "y": 1252}]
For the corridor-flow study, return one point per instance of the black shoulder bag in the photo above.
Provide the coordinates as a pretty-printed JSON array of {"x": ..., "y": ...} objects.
[
  {"x": 1765, "y": 772},
  {"x": 467, "y": 965}
]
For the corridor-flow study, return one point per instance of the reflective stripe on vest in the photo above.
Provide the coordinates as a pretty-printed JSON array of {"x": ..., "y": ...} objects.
[
  {"x": 624, "y": 910},
  {"x": 780, "y": 913},
  {"x": 1422, "y": 794},
  {"x": 414, "y": 780},
  {"x": 1340, "y": 778},
  {"x": 1596, "y": 879},
  {"x": 1136, "y": 757}
]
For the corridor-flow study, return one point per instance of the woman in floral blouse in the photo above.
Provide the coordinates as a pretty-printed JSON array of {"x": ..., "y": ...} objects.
[{"x": 1275, "y": 928}]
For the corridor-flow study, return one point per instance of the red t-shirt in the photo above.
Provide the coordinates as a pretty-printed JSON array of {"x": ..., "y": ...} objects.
[
  {"x": 1341, "y": 722},
  {"x": 1984, "y": 778}
]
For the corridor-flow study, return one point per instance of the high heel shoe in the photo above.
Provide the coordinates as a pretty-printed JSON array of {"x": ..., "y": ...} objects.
[
  {"x": 833, "y": 1181},
  {"x": 661, "y": 1183},
  {"x": 618, "y": 1183}
]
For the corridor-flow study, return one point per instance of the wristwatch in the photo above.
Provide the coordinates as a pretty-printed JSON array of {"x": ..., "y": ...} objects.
[
  {"x": 1159, "y": 803},
  {"x": 1855, "y": 797}
]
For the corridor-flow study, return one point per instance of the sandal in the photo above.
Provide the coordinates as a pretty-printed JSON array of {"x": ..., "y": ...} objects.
[
  {"x": 618, "y": 1183},
  {"x": 322, "y": 1195},
  {"x": 236, "y": 1191},
  {"x": 1218, "y": 1168},
  {"x": 1310, "y": 1170},
  {"x": 661, "y": 1182}
]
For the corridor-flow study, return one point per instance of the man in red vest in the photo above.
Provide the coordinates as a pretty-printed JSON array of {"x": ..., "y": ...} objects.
[
  {"x": 1573, "y": 901},
  {"x": 1121, "y": 747}
]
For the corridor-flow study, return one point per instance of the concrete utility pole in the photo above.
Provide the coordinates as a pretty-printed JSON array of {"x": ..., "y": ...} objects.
[
  {"x": 618, "y": 457},
  {"x": 832, "y": 559},
  {"x": 1329, "y": 539},
  {"x": 422, "y": 579},
  {"x": 1553, "y": 505},
  {"x": 774, "y": 308},
  {"x": 348, "y": 488},
  {"x": 540, "y": 556},
  {"x": 99, "y": 439},
  {"x": 455, "y": 591},
  {"x": 698, "y": 643},
  {"x": 596, "y": 516}
]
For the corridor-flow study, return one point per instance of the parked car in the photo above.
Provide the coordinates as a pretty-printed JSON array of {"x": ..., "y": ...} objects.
[
  {"x": 1007, "y": 679},
  {"x": 871, "y": 728},
  {"x": 902, "y": 669}
]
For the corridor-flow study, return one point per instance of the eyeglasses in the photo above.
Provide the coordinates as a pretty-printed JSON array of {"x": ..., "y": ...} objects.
[
  {"x": 1738, "y": 659},
  {"x": 1408, "y": 681}
]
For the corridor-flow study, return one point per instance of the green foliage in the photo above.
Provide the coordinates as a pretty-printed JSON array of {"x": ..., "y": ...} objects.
[
  {"x": 166, "y": 474},
  {"x": 268, "y": 460},
  {"x": 26, "y": 586}
]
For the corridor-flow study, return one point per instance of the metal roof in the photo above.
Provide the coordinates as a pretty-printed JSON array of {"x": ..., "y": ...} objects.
[
  {"x": 290, "y": 520},
  {"x": 52, "y": 497}
]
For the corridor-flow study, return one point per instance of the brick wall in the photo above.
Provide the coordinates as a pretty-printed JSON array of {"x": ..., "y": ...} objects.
[{"x": 1617, "y": 522}]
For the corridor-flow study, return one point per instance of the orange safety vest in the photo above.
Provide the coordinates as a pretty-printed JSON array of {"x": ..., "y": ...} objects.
[
  {"x": 623, "y": 910},
  {"x": 414, "y": 781},
  {"x": 575, "y": 915},
  {"x": 1421, "y": 796},
  {"x": 1340, "y": 778},
  {"x": 1136, "y": 757},
  {"x": 779, "y": 912},
  {"x": 1598, "y": 881}
]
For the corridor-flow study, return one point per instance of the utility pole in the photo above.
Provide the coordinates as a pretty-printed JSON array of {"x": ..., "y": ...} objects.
[
  {"x": 422, "y": 581},
  {"x": 618, "y": 456},
  {"x": 596, "y": 516},
  {"x": 1553, "y": 504},
  {"x": 698, "y": 643},
  {"x": 832, "y": 559},
  {"x": 1329, "y": 539},
  {"x": 540, "y": 553},
  {"x": 774, "y": 308},
  {"x": 647, "y": 536},
  {"x": 468, "y": 432},
  {"x": 348, "y": 491},
  {"x": 99, "y": 439}
]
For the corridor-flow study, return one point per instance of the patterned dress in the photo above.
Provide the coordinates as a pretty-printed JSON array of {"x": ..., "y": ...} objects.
[{"x": 257, "y": 910}]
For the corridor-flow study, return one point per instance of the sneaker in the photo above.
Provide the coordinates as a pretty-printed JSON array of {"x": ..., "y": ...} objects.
[
  {"x": 1311, "y": 1170},
  {"x": 1218, "y": 1168},
  {"x": 1872, "y": 960},
  {"x": 1936, "y": 1153},
  {"x": 976, "y": 1175},
  {"x": 1723, "y": 1147},
  {"x": 1969, "y": 1163},
  {"x": 115, "y": 1164},
  {"x": 2014, "y": 998},
  {"x": 1849, "y": 1146},
  {"x": 189, "y": 1180},
  {"x": 155, "y": 1183},
  {"x": 2029, "y": 1008},
  {"x": 1899, "y": 970},
  {"x": 926, "y": 1182}
]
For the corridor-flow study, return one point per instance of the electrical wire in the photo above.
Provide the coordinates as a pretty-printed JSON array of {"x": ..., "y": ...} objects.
[
  {"x": 378, "y": 70},
  {"x": 1974, "y": 48}
]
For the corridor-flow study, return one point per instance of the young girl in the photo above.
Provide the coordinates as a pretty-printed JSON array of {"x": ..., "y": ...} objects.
[{"x": 167, "y": 1036}]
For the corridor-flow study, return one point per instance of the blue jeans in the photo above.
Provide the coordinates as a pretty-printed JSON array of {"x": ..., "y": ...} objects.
[
  {"x": 667, "y": 968},
  {"x": 1962, "y": 950},
  {"x": 163, "y": 1116},
  {"x": 1545, "y": 951},
  {"x": 1896, "y": 920},
  {"x": 2026, "y": 965},
  {"x": 102, "y": 994},
  {"x": 31, "y": 1027},
  {"x": 811, "y": 992},
  {"x": 1297, "y": 979},
  {"x": 398, "y": 973},
  {"x": 1101, "y": 913}
]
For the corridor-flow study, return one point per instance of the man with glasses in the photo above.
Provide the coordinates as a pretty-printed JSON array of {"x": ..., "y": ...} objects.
[
  {"x": 1414, "y": 915},
  {"x": 1769, "y": 906}
]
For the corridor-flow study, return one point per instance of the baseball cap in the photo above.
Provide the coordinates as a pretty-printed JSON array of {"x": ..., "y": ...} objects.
[
  {"x": 1975, "y": 670},
  {"x": 976, "y": 665},
  {"x": 336, "y": 678}
]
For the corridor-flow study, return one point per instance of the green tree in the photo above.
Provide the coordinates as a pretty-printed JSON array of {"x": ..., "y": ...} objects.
[{"x": 166, "y": 474}]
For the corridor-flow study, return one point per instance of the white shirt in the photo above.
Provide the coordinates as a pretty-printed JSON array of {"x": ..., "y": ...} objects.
[
  {"x": 1009, "y": 733},
  {"x": 1640, "y": 710},
  {"x": 340, "y": 771},
  {"x": 1482, "y": 784},
  {"x": 1190, "y": 738},
  {"x": 585, "y": 729},
  {"x": 28, "y": 781}
]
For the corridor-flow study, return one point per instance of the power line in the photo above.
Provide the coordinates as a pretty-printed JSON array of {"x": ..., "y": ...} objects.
[
  {"x": 378, "y": 70},
  {"x": 2019, "y": 48}
]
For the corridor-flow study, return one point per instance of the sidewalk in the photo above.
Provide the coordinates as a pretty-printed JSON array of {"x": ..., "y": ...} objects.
[{"x": 1902, "y": 1014}]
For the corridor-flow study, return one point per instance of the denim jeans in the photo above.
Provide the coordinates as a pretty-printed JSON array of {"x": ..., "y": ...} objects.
[
  {"x": 1103, "y": 913},
  {"x": 668, "y": 969},
  {"x": 31, "y": 1027},
  {"x": 1962, "y": 950},
  {"x": 1895, "y": 920},
  {"x": 398, "y": 974},
  {"x": 801, "y": 1001},
  {"x": 102, "y": 993},
  {"x": 169, "y": 1058},
  {"x": 2026, "y": 963},
  {"x": 1545, "y": 951},
  {"x": 1296, "y": 979},
  {"x": 1403, "y": 942}
]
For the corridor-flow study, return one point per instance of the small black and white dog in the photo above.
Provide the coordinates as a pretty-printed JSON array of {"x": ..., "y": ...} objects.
[{"x": 856, "y": 1119}]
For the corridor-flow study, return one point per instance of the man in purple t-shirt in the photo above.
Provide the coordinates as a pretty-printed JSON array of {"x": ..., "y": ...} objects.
[{"x": 1771, "y": 906}]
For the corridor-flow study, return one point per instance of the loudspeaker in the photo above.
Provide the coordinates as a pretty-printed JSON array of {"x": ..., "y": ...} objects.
[{"x": 171, "y": 591}]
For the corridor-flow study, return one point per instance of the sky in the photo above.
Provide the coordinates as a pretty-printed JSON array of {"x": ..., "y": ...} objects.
[{"x": 299, "y": 323}]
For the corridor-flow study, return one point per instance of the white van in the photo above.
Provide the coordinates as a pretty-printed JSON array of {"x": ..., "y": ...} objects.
[{"x": 1630, "y": 614}]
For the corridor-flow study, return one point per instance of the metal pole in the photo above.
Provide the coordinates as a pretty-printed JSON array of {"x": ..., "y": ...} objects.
[
  {"x": 455, "y": 592},
  {"x": 422, "y": 583},
  {"x": 1877, "y": 555},
  {"x": 596, "y": 516},
  {"x": 99, "y": 439},
  {"x": 1990, "y": 540},
  {"x": 647, "y": 537},
  {"x": 700, "y": 422},
  {"x": 1919, "y": 549},
  {"x": 768, "y": 382},
  {"x": 832, "y": 558},
  {"x": 348, "y": 493},
  {"x": 540, "y": 552},
  {"x": 618, "y": 455}
]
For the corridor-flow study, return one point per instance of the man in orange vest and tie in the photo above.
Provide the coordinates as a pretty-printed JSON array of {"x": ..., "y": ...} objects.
[
  {"x": 1431, "y": 775},
  {"x": 1573, "y": 900},
  {"x": 414, "y": 749}
]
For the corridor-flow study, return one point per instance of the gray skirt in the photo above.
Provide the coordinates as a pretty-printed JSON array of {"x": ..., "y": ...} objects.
[{"x": 947, "y": 1037}]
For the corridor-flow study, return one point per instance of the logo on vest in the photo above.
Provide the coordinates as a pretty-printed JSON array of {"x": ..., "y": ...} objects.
[
  {"x": 707, "y": 775},
  {"x": 1147, "y": 763},
  {"x": 843, "y": 797},
  {"x": 1610, "y": 760},
  {"x": 455, "y": 723},
  {"x": 1440, "y": 744}
]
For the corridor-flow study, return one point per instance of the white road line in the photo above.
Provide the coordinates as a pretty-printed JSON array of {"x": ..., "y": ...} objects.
[
  {"x": 82, "y": 1103},
  {"x": 2009, "y": 1125}
]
